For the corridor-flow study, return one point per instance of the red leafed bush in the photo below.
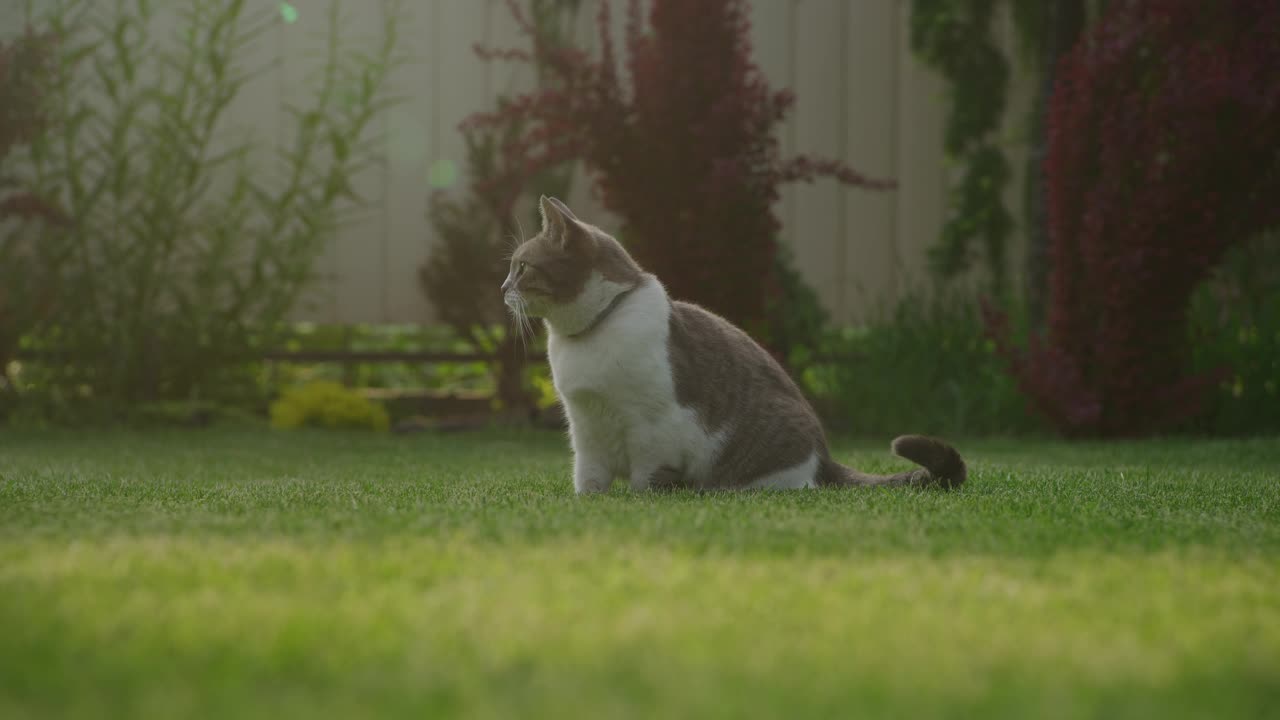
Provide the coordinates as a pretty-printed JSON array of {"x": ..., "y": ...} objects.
[
  {"x": 1163, "y": 152},
  {"x": 683, "y": 150},
  {"x": 27, "y": 286},
  {"x": 26, "y": 66}
]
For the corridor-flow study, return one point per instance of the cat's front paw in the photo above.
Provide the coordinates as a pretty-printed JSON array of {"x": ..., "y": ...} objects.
[
  {"x": 590, "y": 475},
  {"x": 583, "y": 486}
]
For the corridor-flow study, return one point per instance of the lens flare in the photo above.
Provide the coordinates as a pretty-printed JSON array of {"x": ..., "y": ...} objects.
[{"x": 444, "y": 173}]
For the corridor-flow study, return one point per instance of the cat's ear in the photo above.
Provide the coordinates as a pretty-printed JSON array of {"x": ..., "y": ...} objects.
[
  {"x": 564, "y": 209},
  {"x": 560, "y": 225},
  {"x": 553, "y": 221}
]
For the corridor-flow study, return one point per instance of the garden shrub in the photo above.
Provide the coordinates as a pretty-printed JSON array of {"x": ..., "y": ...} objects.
[
  {"x": 28, "y": 267},
  {"x": 28, "y": 66},
  {"x": 922, "y": 365},
  {"x": 1235, "y": 324},
  {"x": 1163, "y": 153},
  {"x": 189, "y": 240},
  {"x": 477, "y": 227},
  {"x": 684, "y": 149},
  {"x": 798, "y": 323},
  {"x": 328, "y": 405}
]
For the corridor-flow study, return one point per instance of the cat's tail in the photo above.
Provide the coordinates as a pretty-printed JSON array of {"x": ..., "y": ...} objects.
[{"x": 941, "y": 466}]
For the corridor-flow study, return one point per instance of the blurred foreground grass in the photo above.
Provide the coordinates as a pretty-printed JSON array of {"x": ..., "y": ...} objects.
[{"x": 241, "y": 573}]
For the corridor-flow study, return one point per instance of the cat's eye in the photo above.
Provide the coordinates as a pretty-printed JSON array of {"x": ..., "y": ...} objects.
[{"x": 521, "y": 267}]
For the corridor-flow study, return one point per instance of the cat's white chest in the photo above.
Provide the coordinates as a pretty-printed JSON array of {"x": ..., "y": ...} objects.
[
  {"x": 619, "y": 393},
  {"x": 620, "y": 372}
]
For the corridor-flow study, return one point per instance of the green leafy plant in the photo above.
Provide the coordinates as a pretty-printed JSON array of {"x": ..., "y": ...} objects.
[
  {"x": 922, "y": 366},
  {"x": 1235, "y": 324},
  {"x": 477, "y": 229},
  {"x": 955, "y": 38},
  {"x": 959, "y": 39},
  {"x": 328, "y": 405},
  {"x": 799, "y": 323},
  {"x": 189, "y": 240}
]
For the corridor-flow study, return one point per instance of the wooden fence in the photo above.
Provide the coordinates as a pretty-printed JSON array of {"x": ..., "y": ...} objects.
[{"x": 862, "y": 97}]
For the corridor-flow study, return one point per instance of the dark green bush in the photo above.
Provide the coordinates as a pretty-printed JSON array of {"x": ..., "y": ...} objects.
[
  {"x": 1235, "y": 328},
  {"x": 923, "y": 365},
  {"x": 477, "y": 227},
  {"x": 798, "y": 322},
  {"x": 27, "y": 266}
]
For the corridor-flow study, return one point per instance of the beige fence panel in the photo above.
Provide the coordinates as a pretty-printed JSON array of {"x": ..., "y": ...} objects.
[{"x": 13, "y": 18}]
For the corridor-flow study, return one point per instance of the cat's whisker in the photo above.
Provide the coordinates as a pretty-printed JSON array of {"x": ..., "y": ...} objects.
[
  {"x": 515, "y": 240},
  {"x": 515, "y": 320},
  {"x": 510, "y": 253},
  {"x": 519, "y": 231},
  {"x": 526, "y": 327},
  {"x": 520, "y": 324}
]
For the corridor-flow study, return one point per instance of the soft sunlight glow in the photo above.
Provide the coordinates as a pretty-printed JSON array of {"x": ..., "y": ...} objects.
[
  {"x": 444, "y": 173},
  {"x": 288, "y": 13}
]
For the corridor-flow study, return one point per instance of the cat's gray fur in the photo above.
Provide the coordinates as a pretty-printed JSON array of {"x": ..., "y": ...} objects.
[{"x": 736, "y": 389}]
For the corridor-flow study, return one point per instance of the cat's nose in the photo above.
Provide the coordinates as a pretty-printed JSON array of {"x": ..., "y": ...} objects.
[{"x": 506, "y": 286}]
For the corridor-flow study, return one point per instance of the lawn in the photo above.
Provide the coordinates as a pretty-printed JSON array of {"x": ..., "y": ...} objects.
[{"x": 246, "y": 573}]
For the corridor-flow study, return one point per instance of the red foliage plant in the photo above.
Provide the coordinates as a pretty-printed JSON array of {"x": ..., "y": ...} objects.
[
  {"x": 26, "y": 66},
  {"x": 1163, "y": 151},
  {"x": 684, "y": 151}
]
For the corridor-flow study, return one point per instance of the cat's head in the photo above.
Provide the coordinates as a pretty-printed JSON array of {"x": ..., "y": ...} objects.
[{"x": 567, "y": 273}]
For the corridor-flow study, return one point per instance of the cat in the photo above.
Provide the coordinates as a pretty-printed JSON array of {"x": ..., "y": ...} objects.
[{"x": 665, "y": 394}]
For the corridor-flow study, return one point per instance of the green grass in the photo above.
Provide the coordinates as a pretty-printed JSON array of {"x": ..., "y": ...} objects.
[{"x": 256, "y": 574}]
